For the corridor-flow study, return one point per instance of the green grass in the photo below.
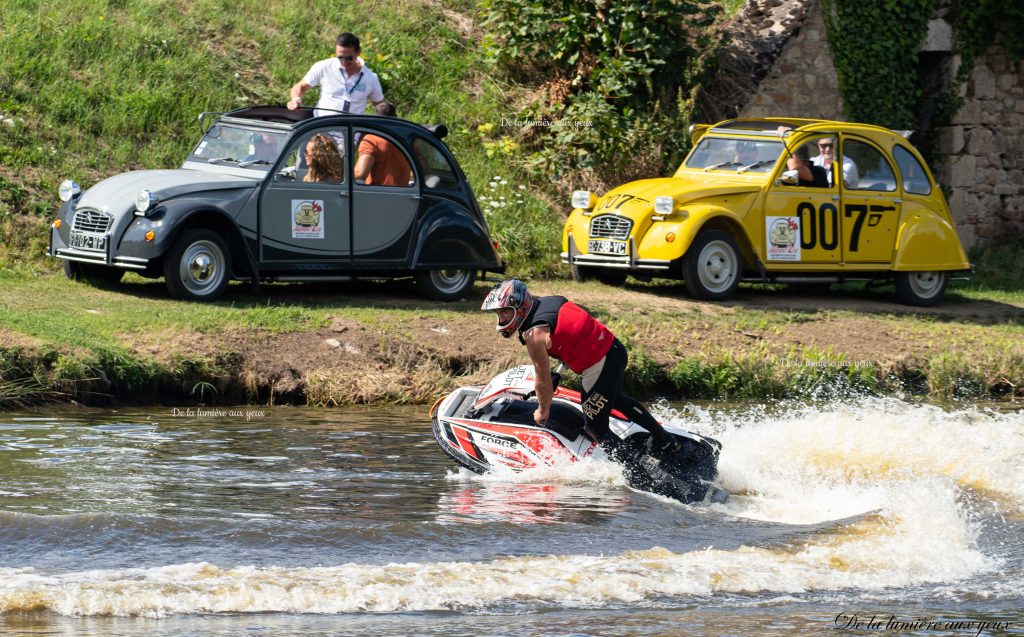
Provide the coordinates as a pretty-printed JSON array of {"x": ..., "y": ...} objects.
[{"x": 998, "y": 273}]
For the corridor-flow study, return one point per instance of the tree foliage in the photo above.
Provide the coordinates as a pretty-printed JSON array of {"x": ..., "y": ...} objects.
[{"x": 624, "y": 72}]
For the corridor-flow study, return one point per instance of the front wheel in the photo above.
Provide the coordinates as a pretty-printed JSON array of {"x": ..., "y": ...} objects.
[
  {"x": 923, "y": 289},
  {"x": 198, "y": 266},
  {"x": 445, "y": 285},
  {"x": 711, "y": 268}
]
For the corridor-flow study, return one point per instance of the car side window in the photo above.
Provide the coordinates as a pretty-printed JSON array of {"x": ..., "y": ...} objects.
[
  {"x": 437, "y": 172},
  {"x": 381, "y": 161},
  {"x": 317, "y": 157},
  {"x": 915, "y": 179},
  {"x": 874, "y": 170}
]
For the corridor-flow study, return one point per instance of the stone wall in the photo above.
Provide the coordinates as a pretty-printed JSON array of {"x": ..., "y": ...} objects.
[
  {"x": 802, "y": 83},
  {"x": 979, "y": 158}
]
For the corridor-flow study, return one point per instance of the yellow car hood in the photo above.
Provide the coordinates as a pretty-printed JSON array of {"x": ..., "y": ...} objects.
[{"x": 637, "y": 197}]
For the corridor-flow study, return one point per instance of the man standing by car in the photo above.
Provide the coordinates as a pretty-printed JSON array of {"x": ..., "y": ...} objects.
[
  {"x": 554, "y": 326},
  {"x": 346, "y": 82}
]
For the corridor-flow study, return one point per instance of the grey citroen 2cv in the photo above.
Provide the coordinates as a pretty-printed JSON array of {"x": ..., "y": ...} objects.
[{"x": 258, "y": 199}]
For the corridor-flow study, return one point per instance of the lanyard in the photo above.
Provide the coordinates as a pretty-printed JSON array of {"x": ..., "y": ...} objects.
[{"x": 348, "y": 91}]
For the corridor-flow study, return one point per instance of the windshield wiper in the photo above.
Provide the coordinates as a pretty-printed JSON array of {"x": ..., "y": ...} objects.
[
  {"x": 756, "y": 164},
  {"x": 253, "y": 162},
  {"x": 217, "y": 160},
  {"x": 721, "y": 165}
]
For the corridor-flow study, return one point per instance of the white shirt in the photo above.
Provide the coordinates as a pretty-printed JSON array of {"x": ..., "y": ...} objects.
[
  {"x": 337, "y": 87},
  {"x": 851, "y": 177}
]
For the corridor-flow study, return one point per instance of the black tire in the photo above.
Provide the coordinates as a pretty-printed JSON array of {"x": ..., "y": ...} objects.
[
  {"x": 198, "y": 267},
  {"x": 921, "y": 289},
  {"x": 712, "y": 266},
  {"x": 445, "y": 285},
  {"x": 93, "y": 273}
]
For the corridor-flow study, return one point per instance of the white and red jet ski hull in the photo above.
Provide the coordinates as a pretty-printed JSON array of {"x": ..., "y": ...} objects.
[{"x": 482, "y": 427}]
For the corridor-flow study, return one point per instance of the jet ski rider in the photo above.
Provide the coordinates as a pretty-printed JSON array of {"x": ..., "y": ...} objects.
[{"x": 554, "y": 326}]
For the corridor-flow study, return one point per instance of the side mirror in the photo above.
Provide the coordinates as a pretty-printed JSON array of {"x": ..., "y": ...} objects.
[
  {"x": 288, "y": 172},
  {"x": 789, "y": 178}
]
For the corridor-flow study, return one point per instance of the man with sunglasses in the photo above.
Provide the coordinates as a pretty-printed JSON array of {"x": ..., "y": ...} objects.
[
  {"x": 827, "y": 154},
  {"x": 346, "y": 82}
]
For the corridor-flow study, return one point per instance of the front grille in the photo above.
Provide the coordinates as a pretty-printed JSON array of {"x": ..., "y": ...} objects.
[
  {"x": 610, "y": 227},
  {"x": 92, "y": 221}
]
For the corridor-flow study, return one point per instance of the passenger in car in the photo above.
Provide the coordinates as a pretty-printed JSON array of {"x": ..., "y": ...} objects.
[
  {"x": 810, "y": 175},
  {"x": 380, "y": 162},
  {"x": 746, "y": 153},
  {"x": 265, "y": 147},
  {"x": 827, "y": 148},
  {"x": 324, "y": 161}
]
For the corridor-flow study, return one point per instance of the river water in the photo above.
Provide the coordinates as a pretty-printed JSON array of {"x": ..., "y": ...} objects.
[{"x": 849, "y": 518}]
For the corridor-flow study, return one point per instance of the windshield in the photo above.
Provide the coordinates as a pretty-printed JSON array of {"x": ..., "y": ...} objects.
[
  {"x": 239, "y": 147},
  {"x": 735, "y": 155}
]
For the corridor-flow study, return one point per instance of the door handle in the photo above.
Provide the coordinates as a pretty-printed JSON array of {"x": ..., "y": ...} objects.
[
  {"x": 836, "y": 197},
  {"x": 343, "y": 193},
  {"x": 416, "y": 197},
  {"x": 897, "y": 201}
]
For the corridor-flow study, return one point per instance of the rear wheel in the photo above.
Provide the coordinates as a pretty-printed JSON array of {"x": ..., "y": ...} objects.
[
  {"x": 445, "y": 285},
  {"x": 923, "y": 289},
  {"x": 198, "y": 266},
  {"x": 711, "y": 268}
]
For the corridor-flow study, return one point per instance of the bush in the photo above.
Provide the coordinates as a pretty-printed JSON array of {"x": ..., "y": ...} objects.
[{"x": 621, "y": 79}]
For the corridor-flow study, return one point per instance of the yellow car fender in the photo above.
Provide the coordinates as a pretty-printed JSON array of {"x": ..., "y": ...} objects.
[
  {"x": 927, "y": 242},
  {"x": 671, "y": 238}
]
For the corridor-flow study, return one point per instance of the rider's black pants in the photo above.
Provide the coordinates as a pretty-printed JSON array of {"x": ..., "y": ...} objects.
[{"x": 606, "y": 394}]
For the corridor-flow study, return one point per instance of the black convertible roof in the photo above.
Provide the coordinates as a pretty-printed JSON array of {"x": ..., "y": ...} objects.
[{"x": 272, "y": 114}]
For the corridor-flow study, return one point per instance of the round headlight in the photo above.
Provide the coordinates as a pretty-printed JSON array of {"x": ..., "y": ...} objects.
[
  {"x": 68, "y": 190},
  {"x": 145, "y": 201}
]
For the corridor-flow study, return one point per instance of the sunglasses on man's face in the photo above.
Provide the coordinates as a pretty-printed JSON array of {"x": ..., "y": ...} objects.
[
  {"x": 826, "y": 146},
  {"x": 346, "y": 58}
]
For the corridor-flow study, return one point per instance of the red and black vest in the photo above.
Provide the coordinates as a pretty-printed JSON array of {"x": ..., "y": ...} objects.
[{"x": 577, "y": 338}]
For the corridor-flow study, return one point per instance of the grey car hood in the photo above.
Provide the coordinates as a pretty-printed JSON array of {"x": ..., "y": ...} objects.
[{"x": 118, "y": 193}]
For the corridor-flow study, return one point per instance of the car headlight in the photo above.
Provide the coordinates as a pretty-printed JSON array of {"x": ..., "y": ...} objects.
[
  {"x": 68, "y": 190},
  {"x": 583, "y": 199},
  {"x": 145, "y": 201},
  {"x": 664, "y": 205}
]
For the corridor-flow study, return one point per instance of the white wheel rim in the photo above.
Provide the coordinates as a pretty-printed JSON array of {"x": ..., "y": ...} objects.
[
  {"x": 202, "y": 267},
  {"x": 926, "y": 284},
  {"x": 449, "y": 281},
  {"x": 717, "y": 267}
]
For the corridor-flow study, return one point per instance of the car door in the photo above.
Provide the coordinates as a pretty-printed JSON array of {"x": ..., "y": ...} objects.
[
  {"x": 385, "y": 198},
  {"x": 801, "y": 223},
  {"x": 871, "y": 203},
  {"x": 305, "y": 210}
]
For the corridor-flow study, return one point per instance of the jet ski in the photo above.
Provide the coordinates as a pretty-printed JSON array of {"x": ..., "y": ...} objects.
[{"x": 482, "y": 427}]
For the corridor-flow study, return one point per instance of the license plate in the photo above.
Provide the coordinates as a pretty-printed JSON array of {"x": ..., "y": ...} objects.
[
  {"x": 88, "y": 241},
  {"x": 607, "y": 246}
]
